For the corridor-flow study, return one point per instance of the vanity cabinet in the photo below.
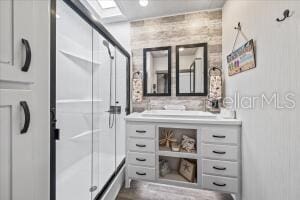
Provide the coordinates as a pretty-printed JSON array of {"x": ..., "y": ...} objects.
[
  {"x": 16, "y": 142},
  {"x": 217, "y": 154},
  {"x": 16, "y": 39}
]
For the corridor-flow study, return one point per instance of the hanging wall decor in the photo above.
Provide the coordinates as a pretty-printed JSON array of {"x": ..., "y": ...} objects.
[{"x": 243, "y": 58}]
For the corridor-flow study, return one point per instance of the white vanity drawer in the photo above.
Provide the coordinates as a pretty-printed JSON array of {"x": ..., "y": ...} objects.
[
  {"x": 141, "y": 145},
  {"x": 223, "y": 152},
  {"x": 141, "y": 130},
  {"x": 220, "y": 183},
  {"x": 143, "y": 173},
  {"x": 222, "y": 135},
  {"x": 143, "y": 159},
  {"x": 217, "y": 167}
]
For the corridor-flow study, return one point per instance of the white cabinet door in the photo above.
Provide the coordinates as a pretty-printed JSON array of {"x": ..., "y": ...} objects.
[
  {"x": 16, "y": 151},
  {"x": 16, "y": 40}
]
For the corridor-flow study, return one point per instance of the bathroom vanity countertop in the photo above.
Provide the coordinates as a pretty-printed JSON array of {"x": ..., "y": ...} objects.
[{"x": 138, "y": 117}]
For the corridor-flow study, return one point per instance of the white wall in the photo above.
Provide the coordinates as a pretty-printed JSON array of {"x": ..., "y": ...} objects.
[
  {"x": 270, "y": 137},
  {"x": 121, "y": 31}
]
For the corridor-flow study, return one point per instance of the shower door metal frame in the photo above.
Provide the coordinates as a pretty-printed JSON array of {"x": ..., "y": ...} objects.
[{"x": 76, "y": 6}]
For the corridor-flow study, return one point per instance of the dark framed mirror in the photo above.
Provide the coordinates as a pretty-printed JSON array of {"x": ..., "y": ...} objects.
[
  {"x": 157, "y": 71},
  {"x": 191, "y": 70}
]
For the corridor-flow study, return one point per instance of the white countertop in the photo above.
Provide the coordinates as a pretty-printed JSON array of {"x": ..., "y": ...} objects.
[{"x": 138, "y": 117}]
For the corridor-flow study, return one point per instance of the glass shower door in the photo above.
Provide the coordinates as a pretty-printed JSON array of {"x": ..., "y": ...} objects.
[
  {"x": 74, "y": 105},
  {"x": 104, "y": 137},
  {"x": 90, "y": 107},
  {"x": 121, "y": 100}
]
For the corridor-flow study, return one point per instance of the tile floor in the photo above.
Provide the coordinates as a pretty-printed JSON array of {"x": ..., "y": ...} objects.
[{"x": 151, "y": 191}]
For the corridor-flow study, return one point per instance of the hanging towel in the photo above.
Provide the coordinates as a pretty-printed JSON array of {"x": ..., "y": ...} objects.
[
  {"x": 137, "y": 85},
  {"x": 215, "y": 87}
]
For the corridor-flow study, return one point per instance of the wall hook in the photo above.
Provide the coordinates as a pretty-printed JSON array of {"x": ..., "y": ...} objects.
[
  {"x": 238, "y": 27},
  {"x": 286, "y": 14}
]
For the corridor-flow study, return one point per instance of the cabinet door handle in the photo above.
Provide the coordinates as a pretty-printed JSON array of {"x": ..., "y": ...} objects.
[
  {"x": 141, "y": 173},
  {"x": 219, "y": 168},
  {"x": 140, "y": 145},
  {"x": 25, "y": 107},
  {"x": 219, "y": 184},
  {"x": 219, "y": 136},
  {"x": 141, "y": 159},
  {"x": 219, "y": 152},
  {"x": 26, "y": 65},
  {"x": 140, "y": 131}
]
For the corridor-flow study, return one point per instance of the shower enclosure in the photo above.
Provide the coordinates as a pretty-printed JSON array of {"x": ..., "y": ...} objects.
[{"x": 91, "y": 104}]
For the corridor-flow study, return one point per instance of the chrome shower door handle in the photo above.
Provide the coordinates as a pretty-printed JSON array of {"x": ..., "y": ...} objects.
[
  {"x": 4, "y": 62},
  {"x": 114, "y": 110}
]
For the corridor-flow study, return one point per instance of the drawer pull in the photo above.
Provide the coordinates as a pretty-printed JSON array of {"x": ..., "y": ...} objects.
[
  {"x": 141, "y": 159},
  {"x": 140, "y": 131},
  {"x": 219, "y": 136},
  {"x": 219, "y": 168},
  {"x": 220, "y": 185},
  {"x": 219, "y": 152},
  {"x": 140, "y": 145},
  {"x": 141, "y": 173}
]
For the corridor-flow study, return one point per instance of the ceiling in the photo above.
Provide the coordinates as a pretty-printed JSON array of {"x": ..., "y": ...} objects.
[{"x": 132, "y": 10}]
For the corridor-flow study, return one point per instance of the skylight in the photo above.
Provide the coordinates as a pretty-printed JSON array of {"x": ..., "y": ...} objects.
[{"x": 106, "y": 4}]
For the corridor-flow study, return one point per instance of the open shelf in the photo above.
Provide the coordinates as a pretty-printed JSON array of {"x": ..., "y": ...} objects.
[
  {"x": 73, "y": 55},
  {"x": 177, "y": 135},
  {"x": 164, "y": 151},
  {"x": 173, "y": 176}
]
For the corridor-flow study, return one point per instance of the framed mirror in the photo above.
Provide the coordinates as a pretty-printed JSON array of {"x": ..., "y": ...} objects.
[
  {"x": 191, "y": 70},
  {"x": 157, "y": 71}
]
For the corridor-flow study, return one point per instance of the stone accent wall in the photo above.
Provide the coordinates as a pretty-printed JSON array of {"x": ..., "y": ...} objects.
[{"x": 198, "y": 27}]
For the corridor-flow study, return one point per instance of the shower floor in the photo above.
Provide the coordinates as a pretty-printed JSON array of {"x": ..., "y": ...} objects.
[
  {"x": 75, "y": 181},
  {"x": 152, "y": 191}
]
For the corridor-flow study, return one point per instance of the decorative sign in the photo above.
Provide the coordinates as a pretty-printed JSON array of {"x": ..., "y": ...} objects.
[
  {"x": 187, "y": 169},
  {"x": 241, "y": 59}
]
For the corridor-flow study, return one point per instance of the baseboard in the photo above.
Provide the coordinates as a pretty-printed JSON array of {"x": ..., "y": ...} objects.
[{"x": 115, "y": 186}]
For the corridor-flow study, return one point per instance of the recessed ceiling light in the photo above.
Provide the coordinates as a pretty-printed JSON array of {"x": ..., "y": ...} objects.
[
  {"x": 57, "y": 16},
  {"x": 181, "y": 49},
  {"x": 144, "y": 3},
  {"x": 106, "y": 4}
]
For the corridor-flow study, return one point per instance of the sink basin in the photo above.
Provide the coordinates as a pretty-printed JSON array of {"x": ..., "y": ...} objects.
[{"x": 179, "y": 114}]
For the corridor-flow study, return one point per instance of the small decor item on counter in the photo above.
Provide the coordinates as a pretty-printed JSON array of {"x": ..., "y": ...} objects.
[
  {"x": 168, "y": 138},
  {"x": 175, "y": 147},
  {"x": 188, "y": 144},
  {"x": 137, "y": 86},
  {"x": 164, "y": 168},
  {"x": 228, "y": 113},
  {"x": 187, "y": 169}
]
